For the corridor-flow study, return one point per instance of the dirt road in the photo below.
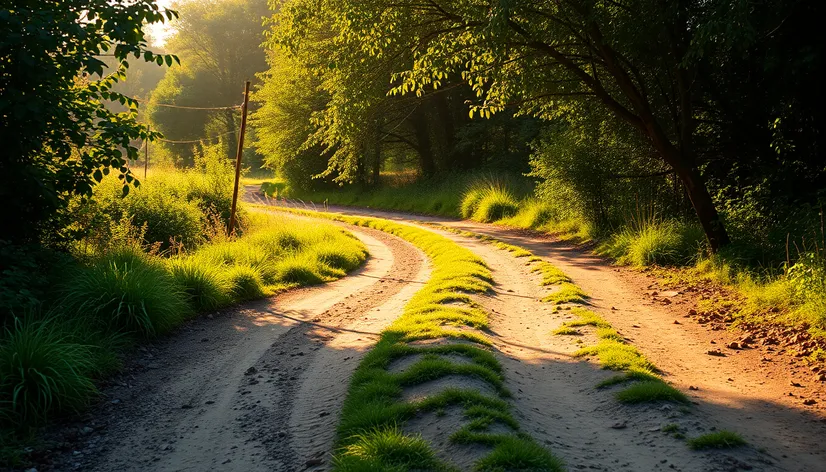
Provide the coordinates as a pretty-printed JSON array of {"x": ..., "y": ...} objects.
[{"x": 260, "y": 388}]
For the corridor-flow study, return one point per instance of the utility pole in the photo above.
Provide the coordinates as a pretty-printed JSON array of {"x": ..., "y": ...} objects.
[
  {"x": 231, "y": 228},
  {"x": 146, "y": 156}
]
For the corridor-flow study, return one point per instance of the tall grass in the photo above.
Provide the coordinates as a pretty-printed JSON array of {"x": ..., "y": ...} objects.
[
  {"x": 127, "y": 291},
  {"x": 43, "y": 371},
  {"x": 48, "y": 363}
]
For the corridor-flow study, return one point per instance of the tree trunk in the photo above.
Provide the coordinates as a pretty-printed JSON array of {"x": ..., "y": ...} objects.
[
  {"x": 377, "y": 162},
  {"x": 447, "y": 130},
  {"x": 695, "y": 187},
  {"x": 424, "y": 147}
]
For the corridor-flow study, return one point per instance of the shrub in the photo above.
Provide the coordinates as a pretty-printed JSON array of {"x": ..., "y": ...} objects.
[
  {"x": 129, "y": 291},
  {"x": 42, "y": 372},
  {"x": 167, "y": 217},
  {"x": 204, "y": 284}
]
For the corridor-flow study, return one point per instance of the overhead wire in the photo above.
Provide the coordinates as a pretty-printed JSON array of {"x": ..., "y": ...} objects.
[
  {"x": 181, "y": 107},
  {"x": 193, "y": 141}
]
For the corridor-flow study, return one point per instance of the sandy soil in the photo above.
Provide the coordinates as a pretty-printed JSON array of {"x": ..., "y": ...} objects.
[{"x": 253, "y": 388}]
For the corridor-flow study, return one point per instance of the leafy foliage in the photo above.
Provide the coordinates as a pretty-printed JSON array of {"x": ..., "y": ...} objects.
[
  {"x": 217, "y": 41},
  {"x": 60, "y": 137}
]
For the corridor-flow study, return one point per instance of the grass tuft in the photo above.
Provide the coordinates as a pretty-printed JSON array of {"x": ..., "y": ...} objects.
[
  {"x": 43, "y": 371},
  {"x": 649, "y": 391},
  {"x": 386, "y": 449},
  {"x": 127, "y": 291},
  {"x": 518, "y": 453},
  {"x": 717, "y": 440},
  {"x": 566, "y": 293},
  {"x": 206, "y": 287}
]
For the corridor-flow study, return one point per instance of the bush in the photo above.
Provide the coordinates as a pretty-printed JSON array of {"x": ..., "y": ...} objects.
[
  {"x": 127, "y": 291},
  {"x": 43, "y": 371}
]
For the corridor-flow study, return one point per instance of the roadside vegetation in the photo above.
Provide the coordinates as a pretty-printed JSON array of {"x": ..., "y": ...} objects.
[
  {"x": 138, "y": 267},
  {"x": 370, "y": 431}
]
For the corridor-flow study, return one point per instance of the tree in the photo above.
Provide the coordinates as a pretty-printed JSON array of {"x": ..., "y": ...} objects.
[
  {"x": 58, "y": 137},
  {"x": 218, "y": 42}
]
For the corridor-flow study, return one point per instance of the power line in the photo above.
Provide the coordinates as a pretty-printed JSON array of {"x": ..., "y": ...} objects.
[
  {"x": 195, "y": 140},
  {"x": 168, "y": 105}
]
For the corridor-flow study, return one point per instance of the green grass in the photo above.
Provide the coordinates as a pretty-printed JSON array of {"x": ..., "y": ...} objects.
[
  {"x": 127, "y": 291},
  {"x": 566, "y": 292},
  {"x": 49, "y": 362},
  {"x": 373, "y": 405},
  {"x": 717, "y": 440},
  {"x": 650, "y": 391},
  {"x": 205, "y": 285},
  {"x": 655, "y": 243},
  {"x": 612, "y": 350},
  {"x": 488, "y": 203},
  {"x": 387, "y": 449},
  {"x": 551, "y": 275},
  {"x": 641, "y": 240},
  {"x": 566, "y": 331},
  {"x": 43, "y": 371}
]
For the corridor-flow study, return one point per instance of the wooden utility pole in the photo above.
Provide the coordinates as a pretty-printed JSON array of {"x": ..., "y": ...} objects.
[
  {"x": 146, "y": 155},
  {"x": 231, "y": 228}
]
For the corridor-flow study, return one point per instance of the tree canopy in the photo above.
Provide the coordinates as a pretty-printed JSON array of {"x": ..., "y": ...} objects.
[
  {"x": 59, "y": 137},
  {"x": 664, "y": 72}
]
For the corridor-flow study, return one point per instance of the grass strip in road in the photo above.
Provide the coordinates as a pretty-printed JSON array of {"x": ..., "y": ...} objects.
[
  {"x": 370, "y": 432},
  {"x": 717, "y": 440},
  {"x": 612, "y": 351}
]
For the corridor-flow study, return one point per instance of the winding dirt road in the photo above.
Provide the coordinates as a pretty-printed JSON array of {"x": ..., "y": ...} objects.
[{"x": 260, "y": 387}]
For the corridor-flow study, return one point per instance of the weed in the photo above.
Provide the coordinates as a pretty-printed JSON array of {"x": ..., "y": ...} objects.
[{"x": 717, "y": 440}]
